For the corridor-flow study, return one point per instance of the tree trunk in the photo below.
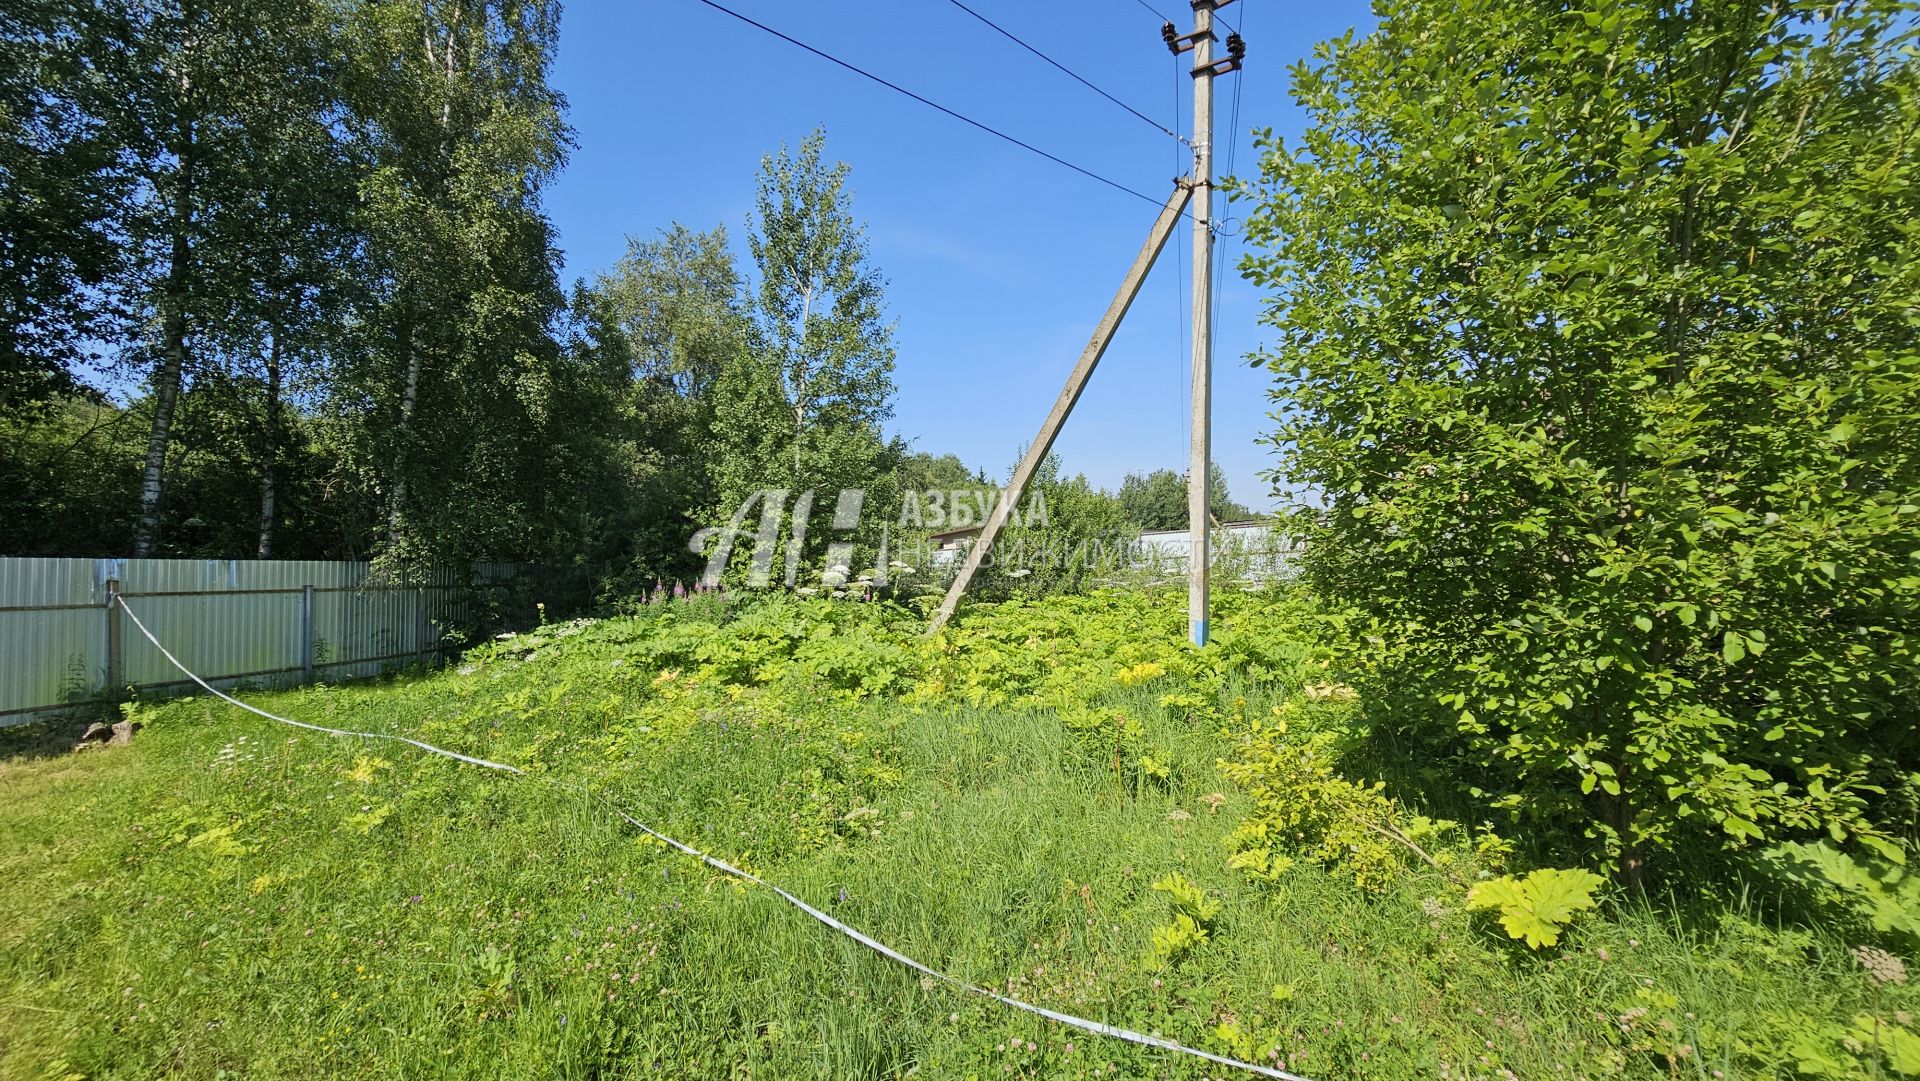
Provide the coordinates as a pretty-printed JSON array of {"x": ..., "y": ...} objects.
[
  {"x": 448, "y": 62},
  {"x": 799, "y": 426},
  {"x": 409, "y": 399},
  {"x": 173, "y": 348},
  {"x": 269, "y": 450},
  {"x": 1632, "y": 872}
]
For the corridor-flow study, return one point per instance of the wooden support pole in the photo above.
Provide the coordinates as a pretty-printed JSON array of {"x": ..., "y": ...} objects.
[{"x": 1076, "y": 382}]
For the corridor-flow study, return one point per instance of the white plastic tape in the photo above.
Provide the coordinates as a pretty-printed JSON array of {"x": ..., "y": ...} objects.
[{"x": 1096, "y": 1027}]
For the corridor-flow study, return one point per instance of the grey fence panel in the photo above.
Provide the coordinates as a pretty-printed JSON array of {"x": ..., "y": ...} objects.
[{"x": 232, "y": 621}]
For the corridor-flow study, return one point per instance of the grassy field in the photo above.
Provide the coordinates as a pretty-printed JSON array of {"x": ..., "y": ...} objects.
[{"x": 230, "y": 897}]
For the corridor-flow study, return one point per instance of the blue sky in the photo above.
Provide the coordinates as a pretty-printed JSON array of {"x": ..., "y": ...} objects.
[{"x": 999, "y": 262}]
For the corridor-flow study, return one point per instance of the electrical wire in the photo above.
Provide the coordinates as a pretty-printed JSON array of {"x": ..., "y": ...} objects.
[
  {"x": 896, "y": 88},
  {"x": 1004, "y": 32},
  {"x": 1153, "y": 10},
  {"x": 1183, "y": 390},
  {"x": 1233, "y": 145}
]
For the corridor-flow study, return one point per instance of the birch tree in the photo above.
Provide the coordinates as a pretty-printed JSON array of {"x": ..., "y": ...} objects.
[
  {"x": 819, "y": 305},
  {"x": 454, "y": 115}
]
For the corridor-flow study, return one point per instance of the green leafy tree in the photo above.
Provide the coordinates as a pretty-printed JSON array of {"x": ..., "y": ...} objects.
[
  {"x": 59, "y": 184},
  {"x": 197, "y": 77},
  {"x": 801, "y": 408},
  {"x": 69, "y": 478},
  {"x": 447, "y": 411},
  {"x": 1158, "y": 500},
  {"x": 924, "y": 472},
  {"x": 1072, "y": 536},
  {"x": 1596, "y": 339},
  {"x": 284, "y": 282},
  {"x": 823, "y": 353},
  {"x": 660, "y": 327}
]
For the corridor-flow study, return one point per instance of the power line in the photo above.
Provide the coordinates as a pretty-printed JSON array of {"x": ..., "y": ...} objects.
[
  {"x": 1182, "y": 395},
  {"x": 1233, "y": 145},
  {"x": 1116, "y": 185},
  {"x": 1004, "y": 32}
]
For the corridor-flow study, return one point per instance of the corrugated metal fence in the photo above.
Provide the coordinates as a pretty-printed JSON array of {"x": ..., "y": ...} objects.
[{"x": 269, "y": 622}]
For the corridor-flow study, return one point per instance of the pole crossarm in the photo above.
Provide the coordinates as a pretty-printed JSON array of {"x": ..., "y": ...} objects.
[{"x": 1163, "y": 227}]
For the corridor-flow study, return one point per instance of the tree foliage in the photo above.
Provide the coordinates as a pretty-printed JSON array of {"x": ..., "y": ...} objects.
[
  {"x": 804, "y": 407},
  {"x": 1158, "y": 500},
  {"x": 298, "y": 225},
  {"x": 1596, "y": 343},
  {"x": 57, "y": 191}
]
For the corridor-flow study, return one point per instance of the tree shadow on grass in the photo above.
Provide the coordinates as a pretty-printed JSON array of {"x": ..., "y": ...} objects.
[{"x": 53, "y": 736}]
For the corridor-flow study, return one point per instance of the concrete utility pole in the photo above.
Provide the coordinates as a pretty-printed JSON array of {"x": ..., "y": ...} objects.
[
  {"x": 1197, "y": 191},
  {"x": 1199, "y": 534}
]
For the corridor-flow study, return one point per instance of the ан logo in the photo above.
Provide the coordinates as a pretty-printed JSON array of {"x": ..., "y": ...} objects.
[
  {"x": 766, "y": 536},
  {"x": 959, "y": 508}
]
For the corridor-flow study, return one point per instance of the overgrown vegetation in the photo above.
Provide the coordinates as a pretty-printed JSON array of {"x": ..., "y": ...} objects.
[
  {"x": 1033, "y": 800},
  {"x": 1599, "y": 350},
  {"x": 1598, "y": 359}
]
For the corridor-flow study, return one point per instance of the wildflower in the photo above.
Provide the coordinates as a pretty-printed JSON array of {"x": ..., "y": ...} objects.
[{"x": 1882, "y": 966}]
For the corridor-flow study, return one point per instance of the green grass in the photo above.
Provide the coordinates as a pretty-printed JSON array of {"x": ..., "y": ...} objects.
[{"x": 231, "y": 897}]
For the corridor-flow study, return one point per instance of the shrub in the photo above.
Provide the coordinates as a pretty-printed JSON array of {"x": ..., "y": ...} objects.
[
  {"x": 1302, "y": 804},
  {"x": 1597, "y": 340}
]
